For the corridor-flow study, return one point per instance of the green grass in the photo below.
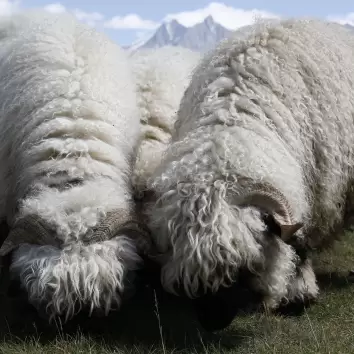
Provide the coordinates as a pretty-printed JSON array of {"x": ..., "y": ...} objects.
[{"x": 155, "y": 322}]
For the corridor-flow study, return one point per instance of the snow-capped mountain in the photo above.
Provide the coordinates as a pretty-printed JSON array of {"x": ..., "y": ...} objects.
[
  {"x": 201, "y": 37},
  {"x": 169, "y": 33}
]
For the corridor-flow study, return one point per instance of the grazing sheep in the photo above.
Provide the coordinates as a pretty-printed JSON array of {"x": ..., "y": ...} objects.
[
  {"x": 260, "y": 168},
  {"x": 69, "y": 126},
  {"x": 161, "y": 77}
]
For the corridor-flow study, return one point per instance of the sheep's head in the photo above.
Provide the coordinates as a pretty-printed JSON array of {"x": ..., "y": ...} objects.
[
  {"x": 120, "y": 233},
  {"x": 250, "y": 288},
  {"x": 226, "y": 247}
]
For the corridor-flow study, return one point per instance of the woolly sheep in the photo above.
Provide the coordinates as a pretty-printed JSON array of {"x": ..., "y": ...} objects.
[
  {"x": 260, "y": 168},
  {"x": 69, "y": 125},
  {"x": 161, "y": 77}
]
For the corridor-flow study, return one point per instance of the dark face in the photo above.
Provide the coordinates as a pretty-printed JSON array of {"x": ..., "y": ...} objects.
[{"x": 217, "y": 311}]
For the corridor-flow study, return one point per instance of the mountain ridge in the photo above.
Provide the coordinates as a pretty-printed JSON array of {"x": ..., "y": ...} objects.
[{"x": 200, "y": 37}]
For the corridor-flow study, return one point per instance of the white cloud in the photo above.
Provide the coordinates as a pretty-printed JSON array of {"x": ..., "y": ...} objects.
[
  {"x": 343, "y": 19},
  {"x": 7, "y": 7},
  {"x": 229, "y": 17},
  {"x": 56, "y": 8},
  {"x": 131, "y": 21},
  {"x": 90, "y": 18}
]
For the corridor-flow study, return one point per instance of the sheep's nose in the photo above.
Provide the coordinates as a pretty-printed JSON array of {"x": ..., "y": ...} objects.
[
  {"x": 213, "y": 313},
  {"x": 217, "y": 311}
]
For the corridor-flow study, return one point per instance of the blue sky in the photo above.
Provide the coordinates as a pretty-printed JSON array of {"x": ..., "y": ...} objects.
[{"x": 125, "y": 21}]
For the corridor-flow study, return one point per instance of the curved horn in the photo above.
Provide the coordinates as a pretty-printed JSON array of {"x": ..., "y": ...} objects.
[
  {"x": 29, "y": 229},
  {"x": 32, "y": 229},
  {"x": 118, "y": 222},
  {"x": 273, "y": 201}
]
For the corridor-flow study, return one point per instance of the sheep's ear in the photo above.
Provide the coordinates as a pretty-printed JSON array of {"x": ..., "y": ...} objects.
[
  {"x": 273, "y": 226},
  {"x": 286, "y": 231}
]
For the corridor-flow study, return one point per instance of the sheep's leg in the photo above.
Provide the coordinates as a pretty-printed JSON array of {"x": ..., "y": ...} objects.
[
  {"x": 4, "y": 231},
  {"x": 349, "y": 219}
]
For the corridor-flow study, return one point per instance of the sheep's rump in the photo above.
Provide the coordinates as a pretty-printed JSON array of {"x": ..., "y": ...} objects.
[
  {"x": 161, "y": 76},
  {"x": 69, "y": 126}
]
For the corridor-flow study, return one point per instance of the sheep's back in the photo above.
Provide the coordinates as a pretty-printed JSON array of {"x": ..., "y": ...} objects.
[
  {"x": 291, "y": 84},
  {"x": 161, "y": 76},
  {"x": 68, "y": 102}
]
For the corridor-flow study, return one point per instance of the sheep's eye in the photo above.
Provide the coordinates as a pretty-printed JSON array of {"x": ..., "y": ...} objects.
[{"x": 272, "y": 226}]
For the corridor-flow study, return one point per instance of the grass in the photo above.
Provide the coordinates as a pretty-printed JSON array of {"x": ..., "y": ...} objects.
[{"x": 155, "y": 322}]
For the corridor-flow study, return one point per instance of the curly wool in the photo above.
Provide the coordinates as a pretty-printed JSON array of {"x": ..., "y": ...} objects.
[
  {"x": 161, "y": 77},
  {"x": 95, "y": 274},
  {"x": 273, "y": 105},
  {"x": 69, "y": 126}
]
